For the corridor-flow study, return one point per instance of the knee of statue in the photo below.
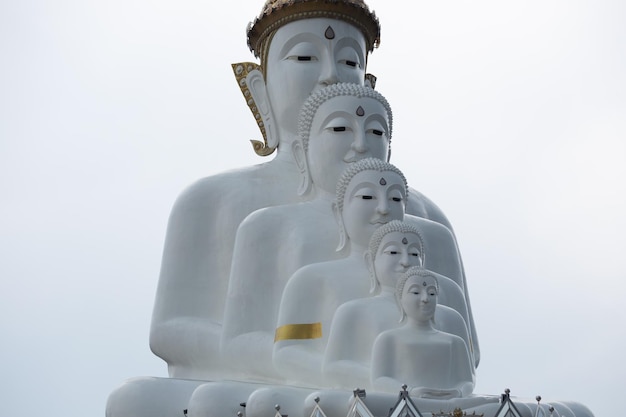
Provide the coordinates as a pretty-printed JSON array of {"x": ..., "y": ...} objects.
[{"x": 149, "y": 396}]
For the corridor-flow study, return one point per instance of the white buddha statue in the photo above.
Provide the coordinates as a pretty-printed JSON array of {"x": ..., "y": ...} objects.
[
  {"x": 305, "y": 45},
  {"x": 393, "y": 249},
  {"x": 433, "y": 364},
  {"x": 298, "y": 56},
  {"x": 369, "y": 194},
  {"x": 339, "y": 125}
]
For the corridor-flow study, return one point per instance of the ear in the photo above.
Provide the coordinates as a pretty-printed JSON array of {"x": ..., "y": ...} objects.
[
  {"x": 343, "y": 238},
  {"x": 258, "y": 90},
  {"x": 369, "y": 262},
  {"x": 303, "y": 167}
]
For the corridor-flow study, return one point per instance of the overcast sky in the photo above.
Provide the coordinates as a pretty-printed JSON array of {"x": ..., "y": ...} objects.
[{"x": 512, "y": 118}]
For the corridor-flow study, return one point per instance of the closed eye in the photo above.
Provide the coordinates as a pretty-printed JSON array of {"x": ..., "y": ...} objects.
[
  {"x": 350, "y": 63},
  {"x": 339, "y": 129},
  {"x": 396, "y": 199},
  {"x": 367, "y": 197},
  {"x": 302, "y": 58},
  {"x": 377, "y": 132}
]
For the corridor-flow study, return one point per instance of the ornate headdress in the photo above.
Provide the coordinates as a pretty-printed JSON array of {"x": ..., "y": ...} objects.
[{"x": 277, "y": 13}]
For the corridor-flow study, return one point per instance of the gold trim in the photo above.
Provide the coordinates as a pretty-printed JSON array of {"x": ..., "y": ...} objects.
[
  {"x": 277, "y": 13},
  {"x": 372, "y": 80},
  {"x": 241, "y": 71},
  {"x": 298, "y": 331}
]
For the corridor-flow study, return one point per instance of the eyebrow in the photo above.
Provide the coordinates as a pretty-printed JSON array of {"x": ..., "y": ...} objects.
[{"x": 364, "y": 184}]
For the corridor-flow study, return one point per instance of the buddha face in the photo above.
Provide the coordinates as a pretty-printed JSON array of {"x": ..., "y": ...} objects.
[
  {"x": 396, "y": 253},
  {"x": 372, "y": 199},
  {"x": 419, "y": 298},
  {"x": 345, "y": 129},
  {"x": 309, "y": 54}
]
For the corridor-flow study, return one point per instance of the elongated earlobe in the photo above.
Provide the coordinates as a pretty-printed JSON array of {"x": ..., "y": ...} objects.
[
  {"x": 303, "y": 167},
  {"x": 260, "y": 101},
  {"x": 343, "y": 238},
  {"x": 374, "y": 284}
]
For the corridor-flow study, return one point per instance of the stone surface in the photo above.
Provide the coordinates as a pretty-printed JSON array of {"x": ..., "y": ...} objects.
[{"x": 265, "y": 266}]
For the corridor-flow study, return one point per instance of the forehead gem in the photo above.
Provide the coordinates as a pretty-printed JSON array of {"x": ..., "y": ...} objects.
[
  {"x": 382, "y": 181},
  {"x": 424, "y": 283},
  {"x": 360, "y": 111},
  {"x": 405, "y": 240},
  {"x": 330, "y": 33}
]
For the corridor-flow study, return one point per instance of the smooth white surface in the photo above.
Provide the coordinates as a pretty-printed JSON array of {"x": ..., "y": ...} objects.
[
  {"x": 194, "y": 279},
  {"x": 433, "y": 364},
  {"x": 106, "y": 117},
  {"x": 314, "y": 292},
  {"x": 357, "y": 323},
  {"x": 273, "y": 243}
]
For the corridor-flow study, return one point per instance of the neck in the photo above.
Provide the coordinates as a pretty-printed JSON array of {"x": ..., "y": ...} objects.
[
  {"x": 387, "y": 290},
  {"x": 357, "y": 249},
  {"x": 421, "y": 325},
  {"x": 322, "y": 194},
  {"x": 284, "y": 152}
]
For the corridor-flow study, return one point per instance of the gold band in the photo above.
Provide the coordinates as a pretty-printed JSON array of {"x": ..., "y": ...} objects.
[{"x": 298, "y": 331}]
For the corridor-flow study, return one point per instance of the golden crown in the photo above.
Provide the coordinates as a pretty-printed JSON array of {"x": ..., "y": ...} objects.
[{"x": 277, "y": 13}]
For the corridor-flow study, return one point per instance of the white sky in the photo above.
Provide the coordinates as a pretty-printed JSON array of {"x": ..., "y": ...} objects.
[{"x": 512, "y": 117}]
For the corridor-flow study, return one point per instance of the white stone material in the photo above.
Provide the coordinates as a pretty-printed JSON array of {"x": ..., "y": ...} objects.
[{"x": 269, "y": 292}]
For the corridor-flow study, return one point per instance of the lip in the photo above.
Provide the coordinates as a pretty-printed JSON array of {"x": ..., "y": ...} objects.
[
  {"x": 351, "y": 159},
  {"x": 352, "y": 156}
]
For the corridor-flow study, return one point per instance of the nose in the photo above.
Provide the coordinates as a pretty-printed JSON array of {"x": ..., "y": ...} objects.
[
  {"x": 424, "y": 297},
  {"x": 383, "y": 206},
  {"x": 359, "y": 144},
  {"x": 404, "y": 260},
  {"x": 328, "y": 75}
]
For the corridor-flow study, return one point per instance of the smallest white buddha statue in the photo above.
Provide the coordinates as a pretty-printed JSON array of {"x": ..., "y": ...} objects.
[{"x": 433, "y": 364}]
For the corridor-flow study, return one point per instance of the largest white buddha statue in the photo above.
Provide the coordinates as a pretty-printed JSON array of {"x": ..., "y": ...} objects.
[{"x": 304, "y": 46}]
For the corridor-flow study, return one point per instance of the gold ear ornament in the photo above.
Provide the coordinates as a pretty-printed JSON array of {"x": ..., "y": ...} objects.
[{"x": 241, "y": 71}]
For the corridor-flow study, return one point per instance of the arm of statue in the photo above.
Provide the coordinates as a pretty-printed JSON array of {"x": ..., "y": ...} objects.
[
  {"x": 251, "y": 307},
  {"x": 346, "y": 352},
  {"x": 466, "y": 376},
  {"x": 298, "y": 343},
  {"x": 383, "y": 365},
  {"x": 189, "y": 345},
  {"x": 185, "y": 328},
  {"x": 461, "y": 374}
]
